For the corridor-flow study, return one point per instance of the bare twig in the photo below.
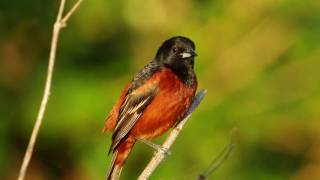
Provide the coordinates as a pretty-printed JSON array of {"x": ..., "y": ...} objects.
[
  {"x": 159, "y": 156},
  {"x": 222, "y": 157},
  {"x": 64, "y": 20},
  {"x": 58, "y": 25}
]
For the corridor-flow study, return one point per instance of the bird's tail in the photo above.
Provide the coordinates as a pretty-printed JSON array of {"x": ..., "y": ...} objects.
[
  {"x": 119, "y": 157},
  {"x": 114, "y": 170}
]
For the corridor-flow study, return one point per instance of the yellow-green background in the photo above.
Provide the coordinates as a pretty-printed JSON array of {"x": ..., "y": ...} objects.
[{"x": 259, "y": 60}]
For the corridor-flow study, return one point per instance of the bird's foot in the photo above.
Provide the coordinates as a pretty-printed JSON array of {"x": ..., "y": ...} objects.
[{"x": 164, "y": 151}]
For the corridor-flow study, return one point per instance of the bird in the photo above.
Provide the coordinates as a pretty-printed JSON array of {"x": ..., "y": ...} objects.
[{"x": 154, "y": 101}]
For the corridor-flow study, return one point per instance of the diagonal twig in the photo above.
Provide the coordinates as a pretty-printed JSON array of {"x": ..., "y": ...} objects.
[
  {"x": 221, "y": 158},
  {"x": 159, "y": 156},
  {"x": 58, "y": 25}
]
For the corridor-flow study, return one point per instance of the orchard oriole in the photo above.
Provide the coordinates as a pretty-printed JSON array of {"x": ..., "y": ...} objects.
[{"x": 154, "y": 101}]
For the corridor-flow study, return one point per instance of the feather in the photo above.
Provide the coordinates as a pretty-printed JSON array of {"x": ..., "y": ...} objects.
[{"x": 130, "y": 112}]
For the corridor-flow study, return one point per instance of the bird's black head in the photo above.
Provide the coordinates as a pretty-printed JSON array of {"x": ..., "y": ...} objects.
[{"x": 177, "y": 53}]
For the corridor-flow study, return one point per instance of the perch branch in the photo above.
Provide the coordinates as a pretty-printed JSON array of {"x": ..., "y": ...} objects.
[
  {"x": 58, "y": 25},
  {"x": 159, "y": 156}
]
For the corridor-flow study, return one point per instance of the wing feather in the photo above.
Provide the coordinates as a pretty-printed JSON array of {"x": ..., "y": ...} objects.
[{"x": 130, "y": 112}]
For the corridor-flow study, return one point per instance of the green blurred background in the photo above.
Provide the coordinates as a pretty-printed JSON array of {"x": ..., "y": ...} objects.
[{"x": 259, "y": 60}]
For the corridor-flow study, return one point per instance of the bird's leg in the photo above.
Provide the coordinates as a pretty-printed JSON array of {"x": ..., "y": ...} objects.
[{"x": 163, "y": 150}]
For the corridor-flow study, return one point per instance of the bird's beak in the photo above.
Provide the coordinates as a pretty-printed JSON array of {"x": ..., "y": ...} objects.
[{"x": 188, "y": 54}]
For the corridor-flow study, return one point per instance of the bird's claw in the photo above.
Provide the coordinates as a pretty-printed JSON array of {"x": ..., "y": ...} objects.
[{"x": 164, "y": 151}]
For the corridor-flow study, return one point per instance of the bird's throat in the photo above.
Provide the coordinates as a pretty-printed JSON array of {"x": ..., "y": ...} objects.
[{"x": 185, "y": 73}]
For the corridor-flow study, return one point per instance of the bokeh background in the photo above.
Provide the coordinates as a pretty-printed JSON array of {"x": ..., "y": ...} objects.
[{"x": 259, "y": 60}]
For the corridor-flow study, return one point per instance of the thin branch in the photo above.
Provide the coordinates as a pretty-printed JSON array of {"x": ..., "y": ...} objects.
[
  {"x": 222, "y": 157},
  {"x": 159, "y": 156},
  {"x": 69, "y": 14},
  {"x": 61, "y": 9},
  {"x": 58, "y": 25}
]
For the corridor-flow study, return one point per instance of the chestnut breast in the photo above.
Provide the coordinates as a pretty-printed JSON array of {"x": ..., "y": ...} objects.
[{"x": 168, "y": 106}]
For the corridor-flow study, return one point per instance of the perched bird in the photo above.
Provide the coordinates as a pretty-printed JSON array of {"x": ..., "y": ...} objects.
[{"x": 154, "y": 101}]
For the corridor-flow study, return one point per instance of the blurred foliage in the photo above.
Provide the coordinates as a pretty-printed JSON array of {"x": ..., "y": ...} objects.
[{"x": 259, "y": 61}]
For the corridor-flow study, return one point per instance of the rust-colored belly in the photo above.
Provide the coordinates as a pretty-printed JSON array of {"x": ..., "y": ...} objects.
[{"x": 168, "y": 107}]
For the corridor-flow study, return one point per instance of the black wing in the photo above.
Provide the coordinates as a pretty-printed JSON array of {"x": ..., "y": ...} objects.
[
  {"x": 135, "y": 103},
  {"x": 144, "y": 74}
]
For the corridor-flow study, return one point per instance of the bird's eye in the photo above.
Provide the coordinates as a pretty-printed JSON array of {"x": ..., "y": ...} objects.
[{"x": 174, "y": 50}]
